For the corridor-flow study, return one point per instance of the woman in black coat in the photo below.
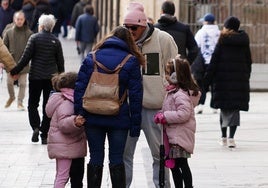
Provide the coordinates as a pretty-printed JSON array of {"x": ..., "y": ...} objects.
[{"x": 229, "y": 74}]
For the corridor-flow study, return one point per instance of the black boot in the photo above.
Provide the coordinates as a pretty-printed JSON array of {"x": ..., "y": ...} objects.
[
  {"x": 77, "y": 172},
  {"x": 94, "y": 176},
  {"x": 118, "y": 176}
]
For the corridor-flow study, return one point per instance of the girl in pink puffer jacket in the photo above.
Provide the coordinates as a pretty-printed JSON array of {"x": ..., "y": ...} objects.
[
  {"x": 178, "y": 118},
  {"x": 66, "y": 136}
]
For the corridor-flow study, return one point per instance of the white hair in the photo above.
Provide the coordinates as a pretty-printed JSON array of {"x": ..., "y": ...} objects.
[{"x": 47, "y": 22}]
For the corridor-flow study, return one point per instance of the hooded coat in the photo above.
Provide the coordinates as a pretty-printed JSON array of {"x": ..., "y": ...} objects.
[
  {"x": 229, "y": 72},
  {"x": 178, "y": 109},
  {"x": 65, "y": 140},
  {"x": 182, "y": 35},
  {"x": 113, "y": 51}
]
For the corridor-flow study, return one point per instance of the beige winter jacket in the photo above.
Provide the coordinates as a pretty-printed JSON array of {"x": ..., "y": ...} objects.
[
  {"x": 161, "y": 47},
  {"x": 5, "y": 57}
]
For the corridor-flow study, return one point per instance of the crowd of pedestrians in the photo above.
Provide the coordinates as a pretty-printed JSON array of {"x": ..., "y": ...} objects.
[{"x": 169, "y": 70}]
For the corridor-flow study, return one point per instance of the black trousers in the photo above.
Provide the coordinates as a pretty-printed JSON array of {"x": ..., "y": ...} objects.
[
  {"x": 77, "y": 172},
  {"x": 204, "y": 91},
  {"x": 36, "y": 88}
]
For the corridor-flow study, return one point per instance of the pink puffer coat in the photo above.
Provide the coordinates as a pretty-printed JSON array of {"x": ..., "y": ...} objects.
[
  {"x": 65, "y": 140},
  {"x": 178, "y": 109}
]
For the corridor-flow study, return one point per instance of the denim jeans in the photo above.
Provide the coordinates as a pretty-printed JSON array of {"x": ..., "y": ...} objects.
[
  {"x": 85, "y": 48},
  {"x": 153, "y": 134},
  {"x": 96, "y": 142}
]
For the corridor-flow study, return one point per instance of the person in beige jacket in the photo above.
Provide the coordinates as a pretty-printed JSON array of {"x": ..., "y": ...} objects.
[
  {"x": 158, "y": 47},
  {"x": 6, "y": 60}
]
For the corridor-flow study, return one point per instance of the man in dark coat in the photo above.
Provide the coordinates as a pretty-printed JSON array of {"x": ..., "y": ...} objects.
[{"x": 181, "y": 33}]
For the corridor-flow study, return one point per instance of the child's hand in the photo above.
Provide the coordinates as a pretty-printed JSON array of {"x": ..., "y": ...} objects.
[
  {"x": 160, "y": 118},
  {"x": 79, "y": 121}
]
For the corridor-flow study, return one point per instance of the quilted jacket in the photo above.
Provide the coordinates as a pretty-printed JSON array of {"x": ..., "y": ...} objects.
[
  {"x": 178, "y": 109},
  {"x": 65, "y": 140},
  {"x": 110, "y": 55}
]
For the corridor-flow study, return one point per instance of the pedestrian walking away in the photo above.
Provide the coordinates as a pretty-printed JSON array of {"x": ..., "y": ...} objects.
[
  {"x": 178, "y": 119},
  {"x": 228, "y": 73},
  {"x": 66, "y": 136},
  {"x": 181, "y": 32},
  {"x": 110, "y": 52},
  {"x": 87, "y": 28},
  {"x": 44, "y": 50},
  {"x": 206, "y": 38},
  {"x": 158, "y": 47}
]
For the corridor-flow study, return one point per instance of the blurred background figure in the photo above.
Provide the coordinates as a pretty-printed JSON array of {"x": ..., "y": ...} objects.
[
  {"x": 206, "y": 39},
  {"x": 87, "y": 28},
  {"x": 28, "y": 7},
  {"x": 6, "y": 15},
  {"x": 41, "y": 7},
  {"x": 181, "y": 32},
  {"x": 16, "y": 4},
  {"x": 15, "y": 39},
  {"x": 78, "y": 9}
]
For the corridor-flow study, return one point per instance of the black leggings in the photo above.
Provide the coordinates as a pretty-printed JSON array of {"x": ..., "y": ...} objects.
[
  {"x": 231, "y": 134},
  {"x": 182, "y": 173},
  {"x": 77, "y": 172}
]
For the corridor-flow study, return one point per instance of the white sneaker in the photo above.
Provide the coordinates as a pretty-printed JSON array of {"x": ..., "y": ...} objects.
[
  {"x": 21, "y": 107},
  {"x": 231, "y": 143},
  {"x": 223, "y": 141},
  {"x": 199, "y": 109}
]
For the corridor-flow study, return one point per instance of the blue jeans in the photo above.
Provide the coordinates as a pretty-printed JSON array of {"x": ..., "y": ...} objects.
[
  {"x": 85, "y": 48},
  {"x": 153, "y": 134},
  {"x": 96, "y": 142}
]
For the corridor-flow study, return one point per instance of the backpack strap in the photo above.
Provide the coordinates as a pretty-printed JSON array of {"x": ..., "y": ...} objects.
[
  {"x": 94, "y": 60},
  {"x": 117, "y": 68}
]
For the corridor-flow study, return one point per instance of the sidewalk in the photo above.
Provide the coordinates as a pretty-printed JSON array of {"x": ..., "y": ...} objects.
[{"x": 26, "y": 165}]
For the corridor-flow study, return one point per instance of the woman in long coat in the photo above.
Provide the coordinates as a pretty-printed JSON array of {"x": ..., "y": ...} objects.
[{"x": 229, "y": 73}]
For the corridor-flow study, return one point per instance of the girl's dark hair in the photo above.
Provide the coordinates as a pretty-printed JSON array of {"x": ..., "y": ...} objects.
[
  {"x": 184, "y": 76},
  {"x": 64, "y": 80},
  {"x": 123, "y": 34}
]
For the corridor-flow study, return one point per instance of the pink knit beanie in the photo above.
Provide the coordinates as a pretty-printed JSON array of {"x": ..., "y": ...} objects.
[{"x": 135, "y": 15}]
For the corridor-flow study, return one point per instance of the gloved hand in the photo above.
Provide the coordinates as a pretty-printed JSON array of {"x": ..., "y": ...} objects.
[{"x": 160, "y": 118}]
